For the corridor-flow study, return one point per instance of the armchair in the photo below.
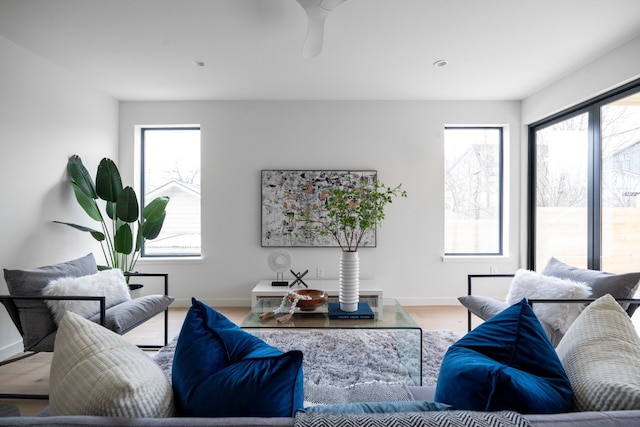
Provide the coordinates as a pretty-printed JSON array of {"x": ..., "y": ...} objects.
[
  {"x": 559, "y": 301},
  {"x": 34, "y": 320},
  {"x": 486, "y": 307}
]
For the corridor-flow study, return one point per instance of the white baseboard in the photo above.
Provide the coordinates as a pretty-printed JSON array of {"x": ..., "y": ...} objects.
[
  {"x": 428, "y": 301},
  {"x": 218, "y": 302}
]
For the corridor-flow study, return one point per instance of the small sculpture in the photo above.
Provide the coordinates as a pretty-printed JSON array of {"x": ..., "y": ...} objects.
[
  {"x": 299, "y": 277},
  {"x": 292, "y": 296}
]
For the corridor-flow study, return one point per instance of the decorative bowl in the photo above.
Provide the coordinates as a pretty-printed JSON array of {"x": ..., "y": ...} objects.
[{"x": 318, "y": 298}]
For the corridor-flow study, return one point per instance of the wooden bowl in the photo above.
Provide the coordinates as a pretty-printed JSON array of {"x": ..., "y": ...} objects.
[{"x": 318, "y": 298}]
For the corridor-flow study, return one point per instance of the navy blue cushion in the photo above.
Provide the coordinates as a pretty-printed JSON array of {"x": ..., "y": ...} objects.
[
  {"x": 219, "y": 370},
  {"x": 506, "y": 363}
]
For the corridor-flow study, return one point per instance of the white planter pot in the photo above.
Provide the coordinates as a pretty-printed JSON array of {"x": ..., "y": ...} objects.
[{"x": 349, "y": 281}]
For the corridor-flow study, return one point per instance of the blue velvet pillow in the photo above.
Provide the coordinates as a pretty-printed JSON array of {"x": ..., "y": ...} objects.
[
  {"x": 506, "y": 363},
  {"x": 219, "y": 370}
]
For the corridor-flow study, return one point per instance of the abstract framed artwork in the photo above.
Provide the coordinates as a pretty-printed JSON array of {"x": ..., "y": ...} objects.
[{"x": 286, "y": 192}]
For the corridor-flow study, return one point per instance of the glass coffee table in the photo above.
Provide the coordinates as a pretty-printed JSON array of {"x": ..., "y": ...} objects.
[{"x": 388, "y": 316}]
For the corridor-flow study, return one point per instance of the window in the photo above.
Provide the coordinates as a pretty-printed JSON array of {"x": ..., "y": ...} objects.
[
  {"x": 561, "y": 196},
  {"x": 473, "y": 196},
  {"x": 584, "y": 170},
  {"x": 171, "y": 167}
]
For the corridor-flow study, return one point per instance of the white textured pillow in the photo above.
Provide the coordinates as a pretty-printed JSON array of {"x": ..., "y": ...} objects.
[
  {"x": 97, "y": 372},
  {"x": 558, "y": 316},
  {"x": 110, "y": 283},
  {"x": 600, "y": 353}
]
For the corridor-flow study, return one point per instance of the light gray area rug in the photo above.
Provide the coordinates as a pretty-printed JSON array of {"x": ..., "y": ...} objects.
[{"x": 354, "y": 365}]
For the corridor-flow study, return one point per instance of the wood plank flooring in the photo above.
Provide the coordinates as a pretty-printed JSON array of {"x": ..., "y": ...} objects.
[{"x": 31, "y": 375}]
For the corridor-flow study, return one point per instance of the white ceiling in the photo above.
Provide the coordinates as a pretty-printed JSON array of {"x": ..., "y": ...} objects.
[{"x": 373, "y": 49}]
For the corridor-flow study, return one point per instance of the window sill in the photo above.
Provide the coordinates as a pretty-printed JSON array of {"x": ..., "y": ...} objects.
[
  {"x": 171, "y": 260},
  {"x": 476, "y": 258}
]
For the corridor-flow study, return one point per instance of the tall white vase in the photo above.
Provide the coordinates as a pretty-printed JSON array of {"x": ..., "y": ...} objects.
[{"x": 349, "y": 281}]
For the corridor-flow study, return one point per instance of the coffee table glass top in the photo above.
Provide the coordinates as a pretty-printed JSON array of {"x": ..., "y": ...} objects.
[{"x": 388, "y": 314}]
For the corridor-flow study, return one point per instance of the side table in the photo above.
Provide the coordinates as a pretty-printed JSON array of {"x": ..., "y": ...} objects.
[{"x": 390, "y": 317}]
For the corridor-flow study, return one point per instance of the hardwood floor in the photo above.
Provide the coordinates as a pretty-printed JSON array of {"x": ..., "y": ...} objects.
[{"x": 31, "y": 375}]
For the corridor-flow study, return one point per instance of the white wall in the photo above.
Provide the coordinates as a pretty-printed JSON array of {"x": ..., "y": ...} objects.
[
  {"x": 617, "y": 67},
  {"x": 45, "y": 116},
  {"x": 403, "y": 141}
]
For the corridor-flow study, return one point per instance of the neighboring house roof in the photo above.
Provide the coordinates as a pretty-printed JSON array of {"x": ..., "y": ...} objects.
[
  {"x": 631, "y": 147},
  {"x": 173, "y": 186}
]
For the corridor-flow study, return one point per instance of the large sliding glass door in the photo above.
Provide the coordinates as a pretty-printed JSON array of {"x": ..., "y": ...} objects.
[
  {"x": 562, "y": 176},
  {"x": 584, "y": 201},
  {"x": 620, "y": 134}
]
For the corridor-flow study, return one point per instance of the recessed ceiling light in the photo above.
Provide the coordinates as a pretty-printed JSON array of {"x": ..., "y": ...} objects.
[
  {"x": 198, "y": 63},
  {"x": 440, "y": 63}
]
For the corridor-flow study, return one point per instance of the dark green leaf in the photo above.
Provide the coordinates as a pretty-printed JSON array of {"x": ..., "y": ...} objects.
[
  {"x": 99, "y": 236},
  {"x": 139, "y": 239},
  {"x": 151, "y": 229},
  {"x": 87, "y": 203},
  {"x": 127, "y": 208},
  {"x": 108, "y": 181},
  {"x": 81, "y": 176},
  {"x": 123, "y": 240},
  {"x": 156, "y": 209},
  {"x": 110, "y": 208}
]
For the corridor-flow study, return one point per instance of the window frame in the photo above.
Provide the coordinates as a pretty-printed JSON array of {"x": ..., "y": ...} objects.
[
  {"x": 142, "y": 130},
  {"x": 594, "y": 191},
  {"x": 501, "y": 195}
]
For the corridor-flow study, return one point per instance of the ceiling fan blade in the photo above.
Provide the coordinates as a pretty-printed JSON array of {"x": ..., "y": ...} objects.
[
  {"x": 330, "y": 4},
  {"x": 317, "y": 12},
  {"x": 315, "y": 32}
]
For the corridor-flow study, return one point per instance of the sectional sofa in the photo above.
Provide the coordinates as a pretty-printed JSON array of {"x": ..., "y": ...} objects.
[
  {"x": 599, "y": 352},
  {"x": 505, "y": 372},
  {"x": 572, "y": 419}
]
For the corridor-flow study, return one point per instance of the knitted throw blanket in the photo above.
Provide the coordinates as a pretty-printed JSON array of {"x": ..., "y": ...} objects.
[{"x": 413, "y": 419}]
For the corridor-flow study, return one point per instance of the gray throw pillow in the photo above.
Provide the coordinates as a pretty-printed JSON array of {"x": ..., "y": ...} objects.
[
  {"x": 619, "y": 286},
  {"x": 38, "y": 327},
  {"x": 483, "y": 307},
  {"x": 125, "y": 316}
]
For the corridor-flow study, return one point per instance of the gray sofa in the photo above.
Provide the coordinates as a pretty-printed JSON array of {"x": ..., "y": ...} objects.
[
  {"x": 574, "y": 419},
  {"x": 600, "y": 353},
  {"x": 618, "y": 389}
]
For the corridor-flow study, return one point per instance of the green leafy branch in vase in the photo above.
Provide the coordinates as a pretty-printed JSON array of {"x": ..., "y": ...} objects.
[{"x": 349, "y": 213}]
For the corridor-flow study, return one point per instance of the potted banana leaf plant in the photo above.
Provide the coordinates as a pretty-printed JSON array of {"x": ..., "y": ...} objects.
[{"x": 123, "y": 228}]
